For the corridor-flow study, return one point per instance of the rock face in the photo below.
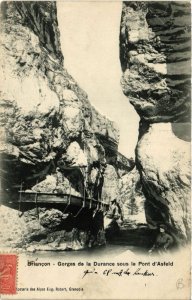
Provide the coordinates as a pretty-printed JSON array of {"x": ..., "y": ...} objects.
[
  {"x": 47, "y": 122},
  {"x": 165, "y": 171},
  {"x": 132, "y": 199},
  {"x": 49, "y": 230},
  {"x": 127, "y": 214},
  {"x": 52, "y": 139},
  {"x": 155, "y": 60}
]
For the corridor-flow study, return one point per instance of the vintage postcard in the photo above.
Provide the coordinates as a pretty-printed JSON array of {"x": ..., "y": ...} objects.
[{"x": 95, "y": 118}]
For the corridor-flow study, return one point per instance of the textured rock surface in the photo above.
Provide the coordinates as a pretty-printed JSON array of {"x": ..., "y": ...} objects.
[
  {"x": 44, "y": 231},
  {"x": 155, "y": 59},
  {"x": 52, "y": 139},
  {"x": 132, "y": 198},
  {"x": 47, "y": 121},
  {"x": 111, "y": 184},
  {"x": 128, "y": 213},
  {"x": 164, "y": 165}
]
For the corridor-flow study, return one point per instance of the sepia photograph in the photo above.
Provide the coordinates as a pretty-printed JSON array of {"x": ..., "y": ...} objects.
[{"x": 95, "y": 165}]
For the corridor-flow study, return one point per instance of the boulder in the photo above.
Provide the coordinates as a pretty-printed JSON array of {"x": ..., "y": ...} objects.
[{"x": 164, "y": 165}]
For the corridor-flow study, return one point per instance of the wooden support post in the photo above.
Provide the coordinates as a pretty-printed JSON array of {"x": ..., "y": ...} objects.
[
  {"x": 69, "y": 201},
  {"x": 37, "y": 211},
  {"x": 90, "y": 204},
  {"x": 20, "y": 191}
]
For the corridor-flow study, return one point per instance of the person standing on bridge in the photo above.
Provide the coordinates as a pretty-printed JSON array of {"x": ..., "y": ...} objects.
[
  {"x": 99, "y": 183},
  {"x": 115, "y": 210}
]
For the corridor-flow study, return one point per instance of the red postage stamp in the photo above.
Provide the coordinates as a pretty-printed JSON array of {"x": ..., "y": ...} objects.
[{"x": 8, "y": 273}]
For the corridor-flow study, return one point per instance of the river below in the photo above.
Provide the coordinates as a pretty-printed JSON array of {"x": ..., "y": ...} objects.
[{"x": 102, "y": 252}]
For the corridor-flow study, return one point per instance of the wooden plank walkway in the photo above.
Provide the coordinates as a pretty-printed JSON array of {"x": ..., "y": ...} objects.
[{"x": 50, "y": 198}]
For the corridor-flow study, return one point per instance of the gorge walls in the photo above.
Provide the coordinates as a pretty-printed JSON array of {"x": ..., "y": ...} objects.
[
  {"x": 52, "y": 139},
  {"x": 47, "y": 120},
  {"x": 155, "y": 60}
]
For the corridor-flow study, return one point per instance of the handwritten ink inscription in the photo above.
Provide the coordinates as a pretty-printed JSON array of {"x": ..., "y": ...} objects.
[
  {"x": 119, "y": 273},
  {"x": 8, "y": 273}
]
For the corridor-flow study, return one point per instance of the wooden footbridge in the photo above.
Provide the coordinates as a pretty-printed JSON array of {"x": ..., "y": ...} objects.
[
  {"x": 22, "y": 199},
  {"x": 66, "y": 202}
]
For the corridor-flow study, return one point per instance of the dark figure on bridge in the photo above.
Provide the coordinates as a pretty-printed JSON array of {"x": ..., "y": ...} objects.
[
  {"x": 163, "y": 241},
  {"x": 96, "y": 180},
  {"x": 98, "y": 185},
  {"x": 115, "y": 211},
  {"x": 96, "y": 228}
]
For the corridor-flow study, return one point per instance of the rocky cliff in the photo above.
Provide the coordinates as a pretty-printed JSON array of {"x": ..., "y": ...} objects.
[
  {"x": 52, "y": 139},
  {"x": 155, "y": 60},
  {"x": 47, "y": 121}
]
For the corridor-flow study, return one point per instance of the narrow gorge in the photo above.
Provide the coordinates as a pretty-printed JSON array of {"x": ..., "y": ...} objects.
[
  {"x": 56, "y": 146},
  {"x": 52, "y": 140}
]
